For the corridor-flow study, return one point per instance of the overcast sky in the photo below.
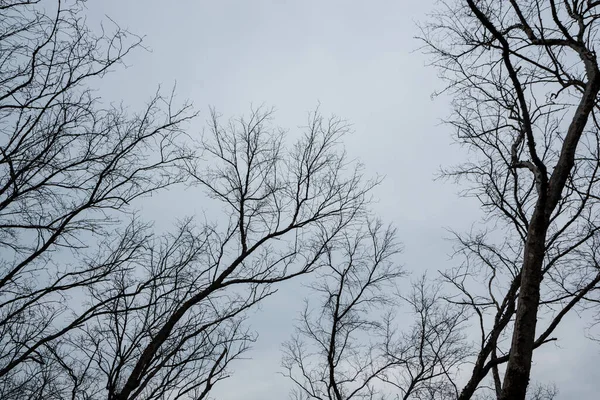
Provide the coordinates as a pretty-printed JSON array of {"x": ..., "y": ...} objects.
[{"x": 359, "y": 60}]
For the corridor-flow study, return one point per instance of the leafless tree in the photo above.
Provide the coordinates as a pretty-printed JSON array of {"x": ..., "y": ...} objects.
[
  {"x": 93, "y": 303},
  {"x": 524, "y": 80},
  {"x": 349, "y": 345},
  {"x": 69, "y": 168},
  {"x": 284, "y": 206},
  {"x": 542, "y": 392}
]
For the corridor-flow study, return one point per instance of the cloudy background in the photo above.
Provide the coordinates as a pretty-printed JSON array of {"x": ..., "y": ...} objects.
[{"x": 359, "y": 60}]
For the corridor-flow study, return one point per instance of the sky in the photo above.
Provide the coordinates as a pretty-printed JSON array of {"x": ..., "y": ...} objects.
[{"x": 357, "y": 59}]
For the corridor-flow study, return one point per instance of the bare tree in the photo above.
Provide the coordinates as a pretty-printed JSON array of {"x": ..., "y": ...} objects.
[
  {"x": 95, "y": 304},
  {"x": 284, "y": 205},
  {"x": 349, "y": 345},
  {"x": 524, "y": 79},
  {"x": 69, "y": 168},
  {"x": 542, "y": 392}
]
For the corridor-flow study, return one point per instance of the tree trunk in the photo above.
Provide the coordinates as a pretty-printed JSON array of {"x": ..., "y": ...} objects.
[{"x": 518, "y": 369}]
